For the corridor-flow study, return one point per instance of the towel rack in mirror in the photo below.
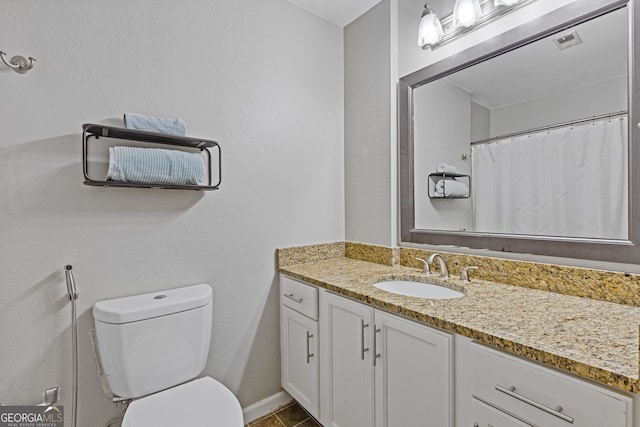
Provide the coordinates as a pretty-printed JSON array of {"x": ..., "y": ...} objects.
[
  {"x": 206, "y": 147},
  {"x": 444, "y": 176}
]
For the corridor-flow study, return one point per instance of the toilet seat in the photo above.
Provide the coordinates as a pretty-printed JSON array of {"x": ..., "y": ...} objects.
[{"x": 200, "y": 403}]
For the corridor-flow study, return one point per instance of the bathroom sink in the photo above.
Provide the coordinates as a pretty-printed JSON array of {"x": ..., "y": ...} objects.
[{"x": 418, "y": 289}]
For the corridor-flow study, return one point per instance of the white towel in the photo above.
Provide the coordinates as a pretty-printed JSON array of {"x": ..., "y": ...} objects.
[
  {"x": 445, "y": 168},
  {"x": 451, "y": 188},
  {"x": 155, "y": 124},
  {"x": 155, "y": 166}
]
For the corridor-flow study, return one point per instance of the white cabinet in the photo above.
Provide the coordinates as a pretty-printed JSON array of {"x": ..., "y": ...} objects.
[
  {"x": 299, "y": 359},
  {"x": 346, "y": 362},
  {"x": 381, "y": 370},
  {"x": 299, "y": 343},
  {"x": 413, "y": 375},
  {"x": 537, "y": 395},
  {"x": 299, "y": 296}
]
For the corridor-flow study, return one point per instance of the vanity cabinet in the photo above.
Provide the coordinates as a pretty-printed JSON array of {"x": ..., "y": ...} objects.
[
  {"x": 299, "y": 343},
  {"x": 352, "y": 365},
  {"x": 509, "y": 391},
  {"x": 379, "y": 370}
]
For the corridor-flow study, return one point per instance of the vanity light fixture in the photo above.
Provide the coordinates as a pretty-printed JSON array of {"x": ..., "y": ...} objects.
[
  {"x": 467, "y": 15},
  {"x": 430, "y": 31}
]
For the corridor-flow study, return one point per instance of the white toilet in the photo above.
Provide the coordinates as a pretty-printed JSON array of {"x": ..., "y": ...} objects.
[{"x": 152, "y": 346}]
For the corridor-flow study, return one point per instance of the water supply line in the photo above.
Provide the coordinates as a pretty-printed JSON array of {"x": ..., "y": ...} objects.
[{"x": 73, "y": 296}]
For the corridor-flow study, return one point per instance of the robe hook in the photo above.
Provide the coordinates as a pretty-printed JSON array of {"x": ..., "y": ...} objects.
[{"x": 18, "y": 63}]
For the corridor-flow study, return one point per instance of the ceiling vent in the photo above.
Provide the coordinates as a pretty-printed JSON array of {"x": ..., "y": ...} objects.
[{"x": 567, "y": 40}]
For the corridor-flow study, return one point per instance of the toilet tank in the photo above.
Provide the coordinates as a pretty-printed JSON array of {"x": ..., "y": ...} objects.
[{"x": 154, "y": 341}]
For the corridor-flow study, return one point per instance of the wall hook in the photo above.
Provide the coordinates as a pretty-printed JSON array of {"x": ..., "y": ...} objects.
[{"x": 18, "y": 63}]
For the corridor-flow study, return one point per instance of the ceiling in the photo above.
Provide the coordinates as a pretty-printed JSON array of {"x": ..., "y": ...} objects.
[
  {"x": 541, "y": 69},
  {"x": 340, "y": 12}
]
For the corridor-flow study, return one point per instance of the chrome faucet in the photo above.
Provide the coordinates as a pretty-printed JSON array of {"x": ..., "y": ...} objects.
[
  {"x": 444, "y": 271},
  {"x": 425, "y": 266},
  {"x": 464, "y": 274}
]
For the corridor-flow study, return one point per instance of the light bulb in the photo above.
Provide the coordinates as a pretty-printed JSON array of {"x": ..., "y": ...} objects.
[
  {"x": 430, "y": 31},
  {"x": 466, "y": 13}
]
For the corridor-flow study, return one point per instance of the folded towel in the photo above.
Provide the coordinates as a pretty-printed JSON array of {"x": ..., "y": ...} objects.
[
  {"x": 451, "y": 188},
  {"x": 155, "y": 124},
  {"x": 155, "y": 166},
  {"x": 445, "y": 168}
]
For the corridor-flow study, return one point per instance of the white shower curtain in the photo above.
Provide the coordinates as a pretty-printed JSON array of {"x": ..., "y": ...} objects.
[{"x": 565, "y": 182}]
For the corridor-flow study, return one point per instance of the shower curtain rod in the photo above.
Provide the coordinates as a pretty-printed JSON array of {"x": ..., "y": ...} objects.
[{"x": 550, "y": 127}]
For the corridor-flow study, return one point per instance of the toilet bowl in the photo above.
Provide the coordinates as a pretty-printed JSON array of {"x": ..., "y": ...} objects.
[
  {"x": 200, "y": 403},
  {"x": 152, "y": 347}
]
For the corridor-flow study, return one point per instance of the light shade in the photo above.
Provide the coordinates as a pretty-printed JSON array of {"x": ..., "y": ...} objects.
[
  {"x": 466, "y": 13},
  {"x": 430, "y": 31},
  {"x": 497, "y": 3}
]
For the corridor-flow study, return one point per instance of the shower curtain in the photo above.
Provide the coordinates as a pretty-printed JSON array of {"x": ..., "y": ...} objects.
[{"x": 569, "y": 181}]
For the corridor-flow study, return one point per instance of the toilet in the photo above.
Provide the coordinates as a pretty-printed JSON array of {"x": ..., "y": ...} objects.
[{"x": 152, "y": 347}]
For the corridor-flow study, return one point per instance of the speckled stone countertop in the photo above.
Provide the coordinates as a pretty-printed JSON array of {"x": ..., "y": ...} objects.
[{"x": 594, "y": 339}]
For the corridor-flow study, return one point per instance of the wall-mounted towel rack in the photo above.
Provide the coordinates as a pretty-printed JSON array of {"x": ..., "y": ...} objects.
[
  {"x": 447, "y": 177},
  {"x": 96, "y": 131}
]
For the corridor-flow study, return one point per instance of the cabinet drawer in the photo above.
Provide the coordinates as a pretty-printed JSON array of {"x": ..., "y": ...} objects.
[
  {"x": 487, "y": 416},
  {"x": 542, "y": 396},
  {"x": 299, "y": 297}
]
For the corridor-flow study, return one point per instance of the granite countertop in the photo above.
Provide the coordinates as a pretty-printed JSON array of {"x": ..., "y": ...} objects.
[{"x": 594, "y": 339}]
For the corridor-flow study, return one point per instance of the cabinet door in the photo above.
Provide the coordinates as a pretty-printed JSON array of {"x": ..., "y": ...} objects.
[
  {"x": 413, "y": 376},
  {"x": 346, "y": 362},
  {"x": 299, "y": 337}
]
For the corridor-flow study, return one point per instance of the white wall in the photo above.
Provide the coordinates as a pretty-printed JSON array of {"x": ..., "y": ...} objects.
[
  {"x": 369, "y": 126},
  {"x": 574, "y": 104},
  {"x": 442, "y": 112},
  {"x": 480, "y": 122},
  {"x": 270, "y": 90}
]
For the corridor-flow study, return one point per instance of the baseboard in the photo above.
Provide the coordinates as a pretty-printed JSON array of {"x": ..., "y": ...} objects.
[{"x": 265, "y": 406}]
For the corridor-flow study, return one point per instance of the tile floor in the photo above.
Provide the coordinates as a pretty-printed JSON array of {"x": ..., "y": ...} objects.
[{"x": 290, "y": 415}]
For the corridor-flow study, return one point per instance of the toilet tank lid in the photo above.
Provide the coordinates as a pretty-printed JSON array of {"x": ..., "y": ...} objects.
[{"x": 154, "y": 304}]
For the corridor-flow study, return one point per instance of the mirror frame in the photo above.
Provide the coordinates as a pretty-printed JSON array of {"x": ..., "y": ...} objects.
[{"x": 622, "y": 251}]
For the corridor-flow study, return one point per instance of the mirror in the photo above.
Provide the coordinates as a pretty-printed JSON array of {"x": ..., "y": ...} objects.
[{"x": 523, "y": 144}]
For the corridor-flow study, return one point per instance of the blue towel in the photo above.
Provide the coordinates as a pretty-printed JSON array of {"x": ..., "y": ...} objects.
[
  {"x": 155, "y": 124},
  {"x": 155, "y": 166}
]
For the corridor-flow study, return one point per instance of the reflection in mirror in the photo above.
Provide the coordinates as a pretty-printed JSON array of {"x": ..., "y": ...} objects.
[
  {"x": 515, "y": 124},
  {"x": 524, "y": 142}
]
